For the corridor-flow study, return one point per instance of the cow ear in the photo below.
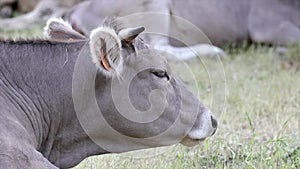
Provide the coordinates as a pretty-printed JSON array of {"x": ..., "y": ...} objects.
[
  {"x": 59, "y": 30},
  {"x": 105, "y": 47}
]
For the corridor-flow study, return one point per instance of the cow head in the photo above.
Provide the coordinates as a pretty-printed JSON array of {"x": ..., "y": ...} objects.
[{"x": 139, "y": 96}]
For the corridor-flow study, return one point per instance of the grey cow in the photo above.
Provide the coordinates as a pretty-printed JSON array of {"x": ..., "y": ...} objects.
[
  {"x": 222, "y": 21},
  {"x": 52, "y": 94}
]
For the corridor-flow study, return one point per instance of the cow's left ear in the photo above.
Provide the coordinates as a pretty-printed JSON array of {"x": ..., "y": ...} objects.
[
  {"x": 105, "y": 47},
  {"x": 59, "y": 30}
]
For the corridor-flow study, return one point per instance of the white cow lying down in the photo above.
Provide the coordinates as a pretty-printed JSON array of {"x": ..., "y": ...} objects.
[
  {"x": 155, "y": 16},
  {"x": 265, "y": 21},
  {"x": 151, "y": 22}
]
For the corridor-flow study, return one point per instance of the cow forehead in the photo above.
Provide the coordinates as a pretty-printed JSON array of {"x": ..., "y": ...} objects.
[
  {"x": 149, "y": 59},
  {"x": 139, "y": 55}
]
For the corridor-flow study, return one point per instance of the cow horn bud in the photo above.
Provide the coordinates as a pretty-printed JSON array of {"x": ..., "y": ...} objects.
[{"x": 129, "y": 34}]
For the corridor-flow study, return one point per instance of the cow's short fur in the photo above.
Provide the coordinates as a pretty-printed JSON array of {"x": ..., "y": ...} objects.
[{"x": 44, "y": 98}]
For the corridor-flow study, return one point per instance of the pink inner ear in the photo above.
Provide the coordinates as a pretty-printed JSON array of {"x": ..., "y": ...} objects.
[{"x": 103, "y": 57}]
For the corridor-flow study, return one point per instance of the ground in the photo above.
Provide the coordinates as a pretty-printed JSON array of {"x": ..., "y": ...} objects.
[{"x": 258, "y": 118}]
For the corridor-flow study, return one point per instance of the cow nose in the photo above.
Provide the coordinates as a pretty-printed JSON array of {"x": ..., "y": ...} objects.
[{"x": 214, "y": 123}]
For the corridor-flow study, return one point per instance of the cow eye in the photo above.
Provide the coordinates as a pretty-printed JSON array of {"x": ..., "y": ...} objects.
[{"x": 161, "y": 74}]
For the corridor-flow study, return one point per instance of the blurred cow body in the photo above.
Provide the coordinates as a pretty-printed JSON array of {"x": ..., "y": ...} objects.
[
  {"x": 273, "y": 22},
  {"x": 43, "y": 10},
  {"x": 23, "y": 6},
  {"x": 265, "y": 21}
]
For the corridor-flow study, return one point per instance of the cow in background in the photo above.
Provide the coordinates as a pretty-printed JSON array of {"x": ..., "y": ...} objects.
[
  {"x": 42, "y": 11},
  {"x": 7, "y": 7},
  {"x": 273, "y": 22}
]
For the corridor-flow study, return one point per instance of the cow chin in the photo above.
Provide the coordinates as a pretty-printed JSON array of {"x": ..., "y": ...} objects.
[{"x": 189, "y": 142}]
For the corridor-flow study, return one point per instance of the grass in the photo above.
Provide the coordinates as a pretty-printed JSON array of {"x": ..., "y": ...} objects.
[
  {"x": 35, "y": 32},
  {"x": 258, "y": 124},
  {"x": 293, "y": 53}
]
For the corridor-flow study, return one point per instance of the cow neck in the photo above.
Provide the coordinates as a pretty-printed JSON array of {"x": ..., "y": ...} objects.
[{"x": 38, "y": 78}]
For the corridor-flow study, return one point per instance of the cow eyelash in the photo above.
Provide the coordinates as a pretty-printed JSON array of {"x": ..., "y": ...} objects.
[{"x": 161, "y": 74}]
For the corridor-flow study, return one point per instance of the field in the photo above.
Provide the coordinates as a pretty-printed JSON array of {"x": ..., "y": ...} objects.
[{"x": 256, "y": 98}]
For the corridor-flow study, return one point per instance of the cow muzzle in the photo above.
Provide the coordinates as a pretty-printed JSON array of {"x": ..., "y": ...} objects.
[{"x": 205, "y": 126}]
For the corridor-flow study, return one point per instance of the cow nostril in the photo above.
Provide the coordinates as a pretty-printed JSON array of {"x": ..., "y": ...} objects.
[
  {"x": 214, "y": 131},
  {"x": 214, "y": 122}
]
